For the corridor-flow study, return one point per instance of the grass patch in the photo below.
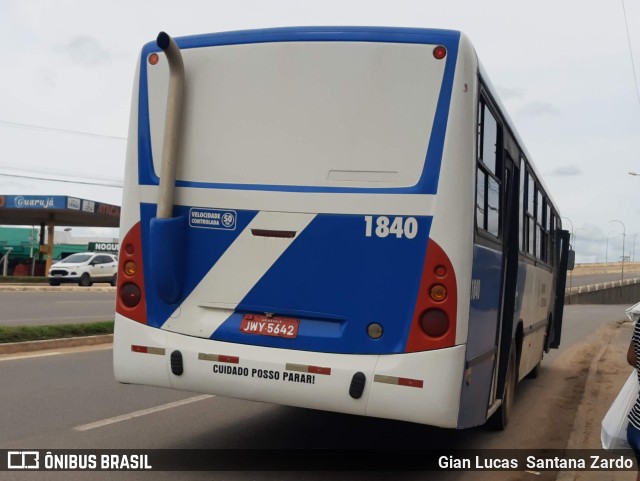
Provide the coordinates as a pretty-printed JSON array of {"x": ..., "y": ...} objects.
[{"x": 39, "y": 333}]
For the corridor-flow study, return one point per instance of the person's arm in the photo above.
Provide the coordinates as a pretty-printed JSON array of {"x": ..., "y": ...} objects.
[{"x": 631, "y": 354}]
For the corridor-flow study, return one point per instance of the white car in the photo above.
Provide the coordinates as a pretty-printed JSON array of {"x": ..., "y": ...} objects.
[{"x": 85, "y": 268}]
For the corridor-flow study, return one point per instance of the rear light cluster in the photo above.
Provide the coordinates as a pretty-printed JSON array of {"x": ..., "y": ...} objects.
[
  {"x": 130, "y": 297},
  {"x": 434, "y": 322},
  {"x": 433, "y": 325}
]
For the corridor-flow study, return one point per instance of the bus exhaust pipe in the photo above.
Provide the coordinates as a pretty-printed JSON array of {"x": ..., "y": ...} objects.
[
  {"x": 172, "y": 126},
  {"x": 167, "y": 233}
]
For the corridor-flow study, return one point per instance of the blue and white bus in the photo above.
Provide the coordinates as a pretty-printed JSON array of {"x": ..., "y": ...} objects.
[{"x": 337, "y": 218}]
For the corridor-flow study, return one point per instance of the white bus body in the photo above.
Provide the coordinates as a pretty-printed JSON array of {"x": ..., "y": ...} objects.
[{"x": 340, "y": 237}]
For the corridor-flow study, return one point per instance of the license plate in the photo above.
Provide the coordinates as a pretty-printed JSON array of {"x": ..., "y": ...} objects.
[{"x": 270, "y": 326}]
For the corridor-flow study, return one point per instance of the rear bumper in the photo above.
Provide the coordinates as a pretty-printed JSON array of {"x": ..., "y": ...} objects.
[{"x": 269, "y": 375}]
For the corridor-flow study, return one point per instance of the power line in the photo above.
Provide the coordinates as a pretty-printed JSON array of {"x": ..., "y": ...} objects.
[
  {"x": 57, "y": 173},
  {"x": 18, "y": 125},
  {"x": 33, "y": 177},
  {"x": 633, "y": 65}
]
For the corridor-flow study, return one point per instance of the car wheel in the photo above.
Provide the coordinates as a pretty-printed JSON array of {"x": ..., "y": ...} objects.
[
  {"x": 85, "y": 280},
  {"x": 54, "y": 283},
  {"x": 114, "y": 280}
]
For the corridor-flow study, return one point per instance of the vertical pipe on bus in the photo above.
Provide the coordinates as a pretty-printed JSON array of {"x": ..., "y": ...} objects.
[
  {"x": 172, "y": 126},
  {"x": 167, "y": 233}
]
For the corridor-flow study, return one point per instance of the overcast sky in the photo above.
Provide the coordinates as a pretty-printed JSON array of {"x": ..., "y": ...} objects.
[{"x": 562, "y": 68}]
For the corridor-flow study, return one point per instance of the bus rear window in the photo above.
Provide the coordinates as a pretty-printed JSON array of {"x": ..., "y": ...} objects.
[{"x": 324, "y": 114}]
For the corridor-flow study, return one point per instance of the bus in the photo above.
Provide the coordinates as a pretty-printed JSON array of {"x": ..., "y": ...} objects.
[{"x": 336, "y": 218}]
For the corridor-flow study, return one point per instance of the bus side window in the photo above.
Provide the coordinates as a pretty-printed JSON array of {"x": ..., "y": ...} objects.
[
  {"x": 538, "y": 227},
  {"x": 521, "y": 214},
  {"x": 552, "y": 237},
  {"x": 488, "y": 181},
  {"x": 530, "y": 227}
]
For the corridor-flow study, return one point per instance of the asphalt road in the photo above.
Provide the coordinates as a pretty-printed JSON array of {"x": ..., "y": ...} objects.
[
  {"x": 70, "y": 400},
  {"x": 51, "y": 307},
  {"x": 68, "y": 307},
  {"x": 586, "y": 279}
]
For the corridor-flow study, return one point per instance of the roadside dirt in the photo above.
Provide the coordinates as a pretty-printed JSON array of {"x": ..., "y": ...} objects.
[
  {"x": 608, "y": 372},
  {"x": 606, "y": 268},
  {"x": 563, "y": 408}
]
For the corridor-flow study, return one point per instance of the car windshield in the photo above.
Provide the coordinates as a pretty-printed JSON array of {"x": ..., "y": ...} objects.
[{"x": 76, "y": 259}]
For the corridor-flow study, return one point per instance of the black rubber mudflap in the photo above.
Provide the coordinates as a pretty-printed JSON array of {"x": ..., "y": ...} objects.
[
  {"x": 357, "y": 385},
  {"x": 176, "y": 363}
]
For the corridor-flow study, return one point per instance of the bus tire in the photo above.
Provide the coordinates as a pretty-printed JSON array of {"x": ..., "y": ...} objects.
[
  {"x": 535, "y": 372},
  {"x": 500, "y": 419},
  {"x": 85, "y": 280}
]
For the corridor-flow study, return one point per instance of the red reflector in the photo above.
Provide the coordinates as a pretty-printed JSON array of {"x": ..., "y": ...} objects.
[
  {"x": 439, "y": 52},
  {"x": 130, "y": 295},
  {"x": 229, "y": 359},
  {"x": 402, "y": 381},
  {"x": 434, "y": 322},
  {"x": 440, "y": 271},
  {"x": 135, "y": 348},
  {"x": 319, "y": 370}
]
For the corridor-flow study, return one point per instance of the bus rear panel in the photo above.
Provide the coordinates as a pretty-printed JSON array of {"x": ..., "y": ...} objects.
[{"x": 320, "y": 246}]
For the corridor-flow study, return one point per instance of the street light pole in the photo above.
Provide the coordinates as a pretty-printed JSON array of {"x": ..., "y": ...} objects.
[
  {"x": 624, "y": 233},
  {"x": 606, "y": 252},
  {"x": 575, "y": 239},
  {"x": 571, "y": 238}
]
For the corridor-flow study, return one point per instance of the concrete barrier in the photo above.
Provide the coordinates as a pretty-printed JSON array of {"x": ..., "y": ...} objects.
[{"x": 614, "y": 292}]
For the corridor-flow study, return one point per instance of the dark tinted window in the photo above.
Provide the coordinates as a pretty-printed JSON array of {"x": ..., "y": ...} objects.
[
  {"x": 489, "y": 139},
  {"x": 493, "y": 207},
  {"x": 480, "y": 198},
  {"x": 488, "y": 173}
]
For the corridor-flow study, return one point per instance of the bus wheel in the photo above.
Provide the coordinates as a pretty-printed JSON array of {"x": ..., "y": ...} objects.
[
  {"x": 500, "y": 419},
  {"x": 535, "y": 371}
]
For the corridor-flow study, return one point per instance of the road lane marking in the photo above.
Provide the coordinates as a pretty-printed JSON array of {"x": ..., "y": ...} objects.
[{"x": 143, "y": 412}]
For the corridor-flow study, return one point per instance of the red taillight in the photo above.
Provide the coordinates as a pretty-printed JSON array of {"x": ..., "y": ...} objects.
[
  {"x": 440, "y": 271},
  {"x": 434, "y": 323},
  {"x": 130, "y": 299},
  {"x": 434, "y": 317},
  {"x": 439, "y": 52},
  {"x": 130, "y": 295}
]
